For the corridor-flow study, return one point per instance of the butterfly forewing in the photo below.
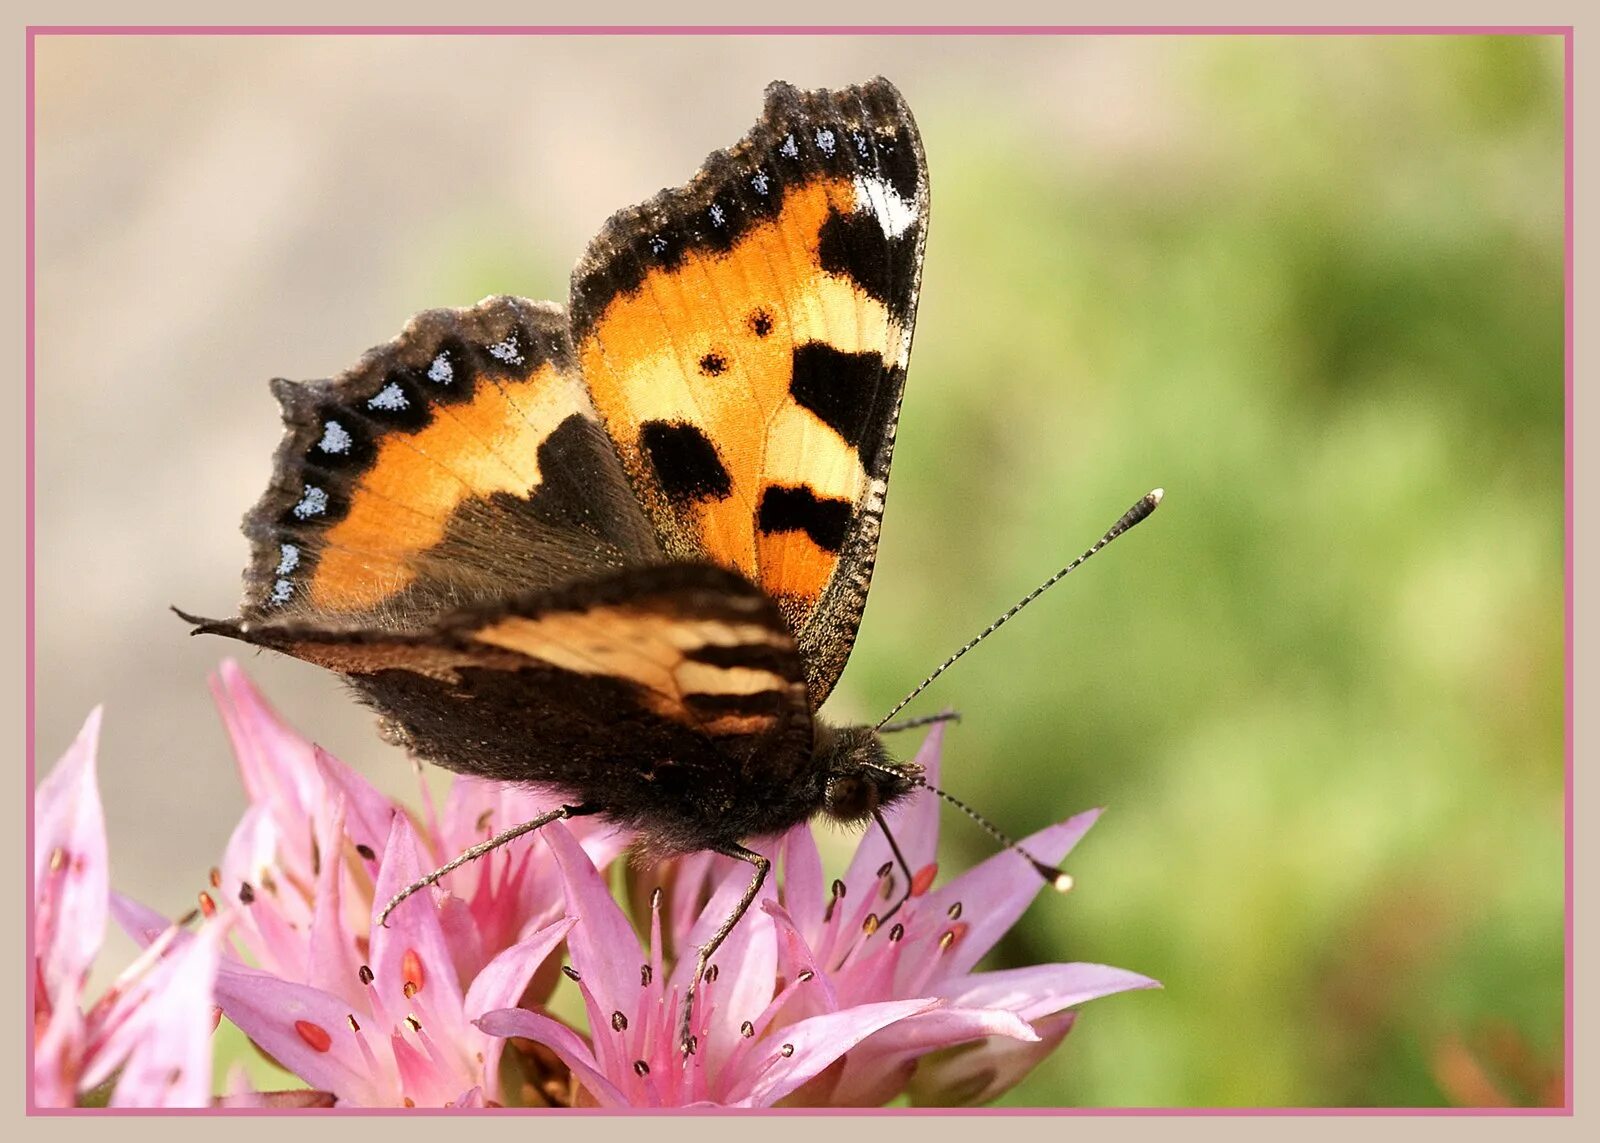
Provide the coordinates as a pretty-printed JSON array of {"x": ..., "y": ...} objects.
[
  {"x": 745, "y": 338},
  {"x": 461, "y": 462}
]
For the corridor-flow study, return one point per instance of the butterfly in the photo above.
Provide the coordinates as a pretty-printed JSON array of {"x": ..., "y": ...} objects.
[{"x": 620, "y": 549}]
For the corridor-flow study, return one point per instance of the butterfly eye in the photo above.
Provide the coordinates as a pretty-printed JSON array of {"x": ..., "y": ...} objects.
[{"x": 850, "y": 798}]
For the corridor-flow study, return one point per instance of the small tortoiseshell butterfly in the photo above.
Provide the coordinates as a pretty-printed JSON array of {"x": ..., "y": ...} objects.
[{"x": 621, "y": 549}]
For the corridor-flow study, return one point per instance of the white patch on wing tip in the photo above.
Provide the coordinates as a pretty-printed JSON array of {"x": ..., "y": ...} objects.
[
  {"x": 894, "y": 214},
  {"x": 281, "y": 591},
  {"x": 507, "y": 350},
  {"x": 390, "y": 398},
  {"x": 335, "y": 438},
  {"x": 313, "y": 503},
  {"x": 288, "y": 558},
  {"x": 441, "y": 370}
]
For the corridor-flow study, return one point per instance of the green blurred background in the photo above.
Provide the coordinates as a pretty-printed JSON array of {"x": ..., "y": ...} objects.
[{"x": 1311, "y": 286}]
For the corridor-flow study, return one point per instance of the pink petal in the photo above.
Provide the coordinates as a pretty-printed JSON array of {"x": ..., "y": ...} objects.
[
  {"x": 168, "y": 1039},
  {"x": 914, "y": 822},
  {"x": 502, "y": 981},
  {"x": 746, "y": 962},
  {"x": 878, "y": 1069},
  {"x": 561, "y": 1040},
  {"x": 142, "y": 923},
  {"x": 475, "y": 807},
  {"x": 57, "y": 1052},
  {"x": 413, "y": 938},
  {"x": 306, "y": 1030},
  {"x": 604, "y": 948},
  {"x": 332, "y": 959},
  {"x": 976, "y": 1074},
  {"x": 692, "y": 883},
  {"x": 802, "y": 879},
  {"x": 425, "y": 1081},
  {"x": 272, "y": 929},
  {"x": 278, "y": 766},
  {"x": 943, "y": 1026},
  {"x": 510, "y": 894},
  {"x": 1039, "y": 990},
  {"x": 70, "y": 869},
  {"x": 601, "y": 840},
  {"x": 367, "y": 812},
  {"x": 817, "y": 1042},
  {"x": 997, "y": 892},
  {"x": 795, "y": 957}
]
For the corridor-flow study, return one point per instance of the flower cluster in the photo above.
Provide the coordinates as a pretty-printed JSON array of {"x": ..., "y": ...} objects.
[
  {"x": 843, "y": 993},
  {"x": 144, "y": 1042}
]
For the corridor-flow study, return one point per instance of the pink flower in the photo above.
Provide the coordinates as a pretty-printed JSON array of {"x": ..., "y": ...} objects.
[
  {"x": 632, "y": 1057},
  {"x": 148, "y": 1037},
  {"x": 391, "y": 1025},
  {"x": 1010, "y": 1019},
  {"x": 308, "y": 811},
  {"x": 815, "y": 1000},
  {"x": 377, "y": 1016},
  {"x": 844, "y": 996}
]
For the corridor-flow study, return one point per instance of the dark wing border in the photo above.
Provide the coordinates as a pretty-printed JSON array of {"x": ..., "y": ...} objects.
[{"x": 334, "y": 427}]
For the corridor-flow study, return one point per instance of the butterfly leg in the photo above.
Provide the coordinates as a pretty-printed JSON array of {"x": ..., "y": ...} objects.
[
  {"x": 901, "y": 859},
  {"x": 921, "y": 720},
  {"x": 482, "y": 848},
  {"x": 707, "y": 950}
]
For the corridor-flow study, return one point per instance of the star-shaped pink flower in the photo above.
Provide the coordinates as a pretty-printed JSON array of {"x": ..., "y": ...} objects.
[{"x": 820, "y": 997}]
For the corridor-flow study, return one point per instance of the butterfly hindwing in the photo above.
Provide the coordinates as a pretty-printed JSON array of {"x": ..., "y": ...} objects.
[
  {"x": 745, "y": 338},
  {"x": 461, "y": 462},
  {"x": 637, "y": 683}
]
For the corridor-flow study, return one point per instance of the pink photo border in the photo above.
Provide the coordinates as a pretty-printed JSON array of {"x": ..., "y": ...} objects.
[{"x": 30, "y": 635}]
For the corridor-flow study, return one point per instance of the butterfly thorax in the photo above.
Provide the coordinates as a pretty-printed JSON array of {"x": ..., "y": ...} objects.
[
  {"x": 846, "y": 776},
  {"x": 860, "y": 778}
]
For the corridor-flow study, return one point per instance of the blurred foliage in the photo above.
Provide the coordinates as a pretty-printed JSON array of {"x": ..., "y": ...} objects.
[{"x": 1321, "y": 691}]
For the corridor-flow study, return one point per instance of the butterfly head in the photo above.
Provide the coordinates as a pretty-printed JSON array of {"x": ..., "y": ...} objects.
[{"x": 859, "y": 775}]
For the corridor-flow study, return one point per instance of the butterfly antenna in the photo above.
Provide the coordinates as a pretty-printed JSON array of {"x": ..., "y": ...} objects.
[
  {"x": 1055, "y": 876},
  {"x": 1145, "y": 506}
]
